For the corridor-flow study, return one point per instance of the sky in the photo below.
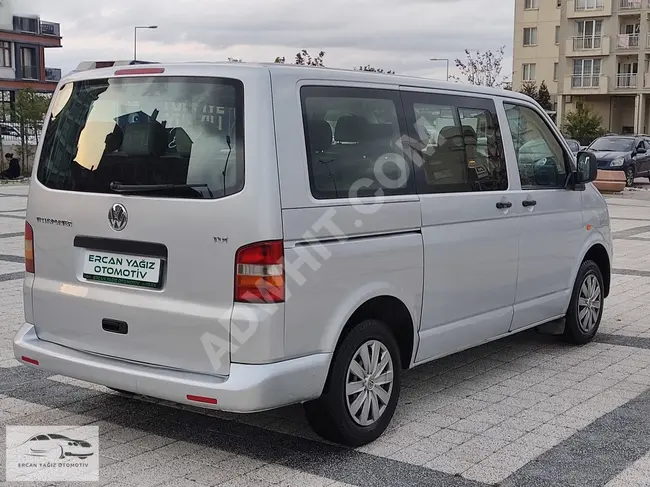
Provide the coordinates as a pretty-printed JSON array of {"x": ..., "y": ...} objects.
[{"x": 399, "y": 35}]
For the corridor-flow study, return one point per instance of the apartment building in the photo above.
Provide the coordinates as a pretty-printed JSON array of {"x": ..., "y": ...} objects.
[
  {"x": 23, "y": 42},
  {"x": 595, "y": 51}
]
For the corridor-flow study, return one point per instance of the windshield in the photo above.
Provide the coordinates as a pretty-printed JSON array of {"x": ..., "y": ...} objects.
[
  {"x": 613, "y": 144},
  {"x": 144, "y": 131}
]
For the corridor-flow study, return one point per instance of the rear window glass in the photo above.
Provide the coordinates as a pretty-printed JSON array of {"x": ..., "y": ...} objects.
[{"x": 148, "y": 136}]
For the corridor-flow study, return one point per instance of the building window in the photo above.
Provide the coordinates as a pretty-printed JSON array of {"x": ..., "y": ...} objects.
[
  {"x": 528, "y": 71},
  {"x": 26, "y": 24},
  {"x": 557, "y": 34},
  {"x": 530, "y": 36},
  {"x": 589, "y": 4},
  {"x": 555, "y": 67},
  {"x": 588, "y": 34},
  {"x": 28, "y": 63},
  {"x": 586, "y": 73},
  {"x": 5, "y": 62},
  {"x": 531, "y": 4},
  {"x": 6, "y": 98}
]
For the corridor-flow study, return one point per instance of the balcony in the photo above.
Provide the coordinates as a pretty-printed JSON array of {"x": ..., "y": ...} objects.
[
  {"x": 50, "y": 29},
  {"x": 52, "y": 74},
  {"x": 629, "y": 4},
  {"x": 588, "y": 46},
  {"x": 586, "y": 85},
  {"x": 29, "y": 72},
  {"x": 577, "y": 9},
  {"x": 626, "y": 81},
  {"x": 627, "y": 42}
]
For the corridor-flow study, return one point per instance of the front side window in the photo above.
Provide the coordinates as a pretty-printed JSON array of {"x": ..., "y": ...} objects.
[
  {"x": 146, "y": 131},
  {"x": 456, "y": 143},
  {"x": 530, "y": 36},
  {"x": 531, "y": 4},
  {"x": 354, "y": 146},
  {"x": 540, "y": 158}
]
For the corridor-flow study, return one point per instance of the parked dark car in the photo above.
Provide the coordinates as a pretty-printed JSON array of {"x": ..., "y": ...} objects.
[
  {"x": 574, "y": 145},
  {"x": 623, "y": 153}
]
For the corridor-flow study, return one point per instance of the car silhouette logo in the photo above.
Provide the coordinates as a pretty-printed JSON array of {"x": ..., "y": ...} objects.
[
  {"x": 118, "y": 217},
  {"x": 58, "y": 446}
]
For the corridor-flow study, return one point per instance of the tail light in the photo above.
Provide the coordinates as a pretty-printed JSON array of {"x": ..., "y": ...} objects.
[
  {"x": 29, "y": 248},
  {"x": 259, "y": 273}
]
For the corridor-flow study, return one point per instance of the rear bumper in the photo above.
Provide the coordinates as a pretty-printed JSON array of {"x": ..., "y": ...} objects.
[{"x": 248, "y": 388}]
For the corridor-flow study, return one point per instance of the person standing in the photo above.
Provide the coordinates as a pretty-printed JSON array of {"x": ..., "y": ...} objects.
[{"x": 14, "y": 167}]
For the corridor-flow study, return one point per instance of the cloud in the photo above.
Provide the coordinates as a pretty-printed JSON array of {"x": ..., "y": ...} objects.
[{"x": 393, "y": 34}]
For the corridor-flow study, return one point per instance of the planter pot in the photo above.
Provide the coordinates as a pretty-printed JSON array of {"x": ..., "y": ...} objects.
[{"x": 610, "y": 181}]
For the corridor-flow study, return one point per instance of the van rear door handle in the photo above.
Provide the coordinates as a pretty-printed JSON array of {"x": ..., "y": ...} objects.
[
  {"x": 527, "y": 203},
  {"x": 502, "y": 205}
]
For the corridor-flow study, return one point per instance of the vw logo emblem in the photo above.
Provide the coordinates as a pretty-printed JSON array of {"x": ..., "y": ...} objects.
[{"x": 118, "y": 217}]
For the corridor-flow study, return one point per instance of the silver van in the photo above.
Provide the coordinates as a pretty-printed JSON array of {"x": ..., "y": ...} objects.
[{"x": 244, "y": 237}]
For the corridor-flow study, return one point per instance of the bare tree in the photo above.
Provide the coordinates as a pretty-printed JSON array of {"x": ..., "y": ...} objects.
[
  {"x": 303, "y": 58},
  {"x": 369, "y": 68},
  {"x": 482, "y": 68}
]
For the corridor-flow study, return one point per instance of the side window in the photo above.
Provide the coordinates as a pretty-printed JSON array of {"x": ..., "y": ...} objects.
[
  {"x": 540, "y": 157},
  {"x": 456, "y": 143},
  {"x": 641, "y": 145},
  {"x": 354, "y": 142},
  {"x": 42, "y": 438}
]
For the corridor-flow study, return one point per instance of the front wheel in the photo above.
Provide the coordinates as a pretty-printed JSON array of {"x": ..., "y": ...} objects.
[
  {"x": 362, "y": 389},
  {"x": 629, "y": 177},
  {"x": 586, "y": 306}
]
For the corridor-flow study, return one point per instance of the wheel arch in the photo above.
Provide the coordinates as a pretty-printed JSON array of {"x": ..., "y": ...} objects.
[
  {"x": 598, "y": 254},
  {"x": 392, "y": 311}
]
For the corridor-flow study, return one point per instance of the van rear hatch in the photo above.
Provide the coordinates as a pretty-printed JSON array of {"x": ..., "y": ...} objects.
[{"x": 138, "y": 208}]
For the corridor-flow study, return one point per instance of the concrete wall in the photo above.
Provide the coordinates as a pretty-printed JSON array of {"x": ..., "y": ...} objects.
[{"x": 545, "y": 54}]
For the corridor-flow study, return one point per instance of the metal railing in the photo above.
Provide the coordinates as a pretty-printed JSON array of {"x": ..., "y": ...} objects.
[
  {"x": 583, "y": 43},
  {"x": 626, "y": 80},
  {"x": 52, "y": 74},
  {"x": 29, "y": 72},
  {"x": 629, "y": 4},
  {"x": 585, "y": 81},
  {"x": 588, "y": 5},
  {"x": 628, "y": 41}
]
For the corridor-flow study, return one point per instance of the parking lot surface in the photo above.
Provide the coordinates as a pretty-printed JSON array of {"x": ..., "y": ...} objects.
[{"x": 523, "y": 411}]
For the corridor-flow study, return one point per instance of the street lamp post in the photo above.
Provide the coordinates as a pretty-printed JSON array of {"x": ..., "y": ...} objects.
[
  {"x": 135, "y": 38},
  {"x": 446, "y": 62}
]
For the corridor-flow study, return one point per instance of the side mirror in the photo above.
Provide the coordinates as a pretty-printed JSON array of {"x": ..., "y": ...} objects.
[
  {"x": 587, "y": 167},
  {"x": 641, "y": 150}
]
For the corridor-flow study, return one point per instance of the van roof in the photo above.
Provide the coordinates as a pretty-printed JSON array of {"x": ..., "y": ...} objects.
[{"x": 302, "y": 73}]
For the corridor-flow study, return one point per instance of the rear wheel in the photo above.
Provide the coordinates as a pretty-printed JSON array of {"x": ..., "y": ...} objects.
[
  {"x": 629, "y": 177},
  {"x": 586, "y": 306},
  {"x": 362, "y": 389}
]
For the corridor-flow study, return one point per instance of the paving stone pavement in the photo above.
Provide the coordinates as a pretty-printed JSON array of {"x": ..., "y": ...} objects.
[{"x": 527, "y": 410}]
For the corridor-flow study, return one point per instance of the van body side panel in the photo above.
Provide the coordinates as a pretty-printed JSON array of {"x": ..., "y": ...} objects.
[
  {"x": 184, "y": 324},
  {"x": 339, "y": 252}
]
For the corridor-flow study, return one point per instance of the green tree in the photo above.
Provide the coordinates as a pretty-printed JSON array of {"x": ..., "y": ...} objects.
[
  {"x": 369, "y": 68},
  {"x": 482, "y": 68},
  {"x": 29, "y": 113},
  {"x": 529, "y": 88},
  {"x": 583, "y": 124},
  {"x": 544, "y": 97}
]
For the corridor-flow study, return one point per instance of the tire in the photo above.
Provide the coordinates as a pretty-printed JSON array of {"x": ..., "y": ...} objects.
[
  {"x": 331, "y": 415},
  {"x": 585, "y": 297},
  {"x": 629, "y": 177}
]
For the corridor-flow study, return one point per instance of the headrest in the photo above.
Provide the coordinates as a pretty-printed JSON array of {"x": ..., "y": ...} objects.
[
  {"x": 144, "y": 139},
  {"x": 450, "y": 135},
  {"x": 351, "y": 128},
  {"x": 320, "y": 135}
]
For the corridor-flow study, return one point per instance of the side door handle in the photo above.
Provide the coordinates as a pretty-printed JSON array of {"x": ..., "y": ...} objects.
[
  {"x": 502, "y": 205},
  {"x": 527, "y": 203}
]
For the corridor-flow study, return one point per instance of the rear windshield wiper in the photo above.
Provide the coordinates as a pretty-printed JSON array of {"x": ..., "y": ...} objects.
[{"x": 145, "y": 188}]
